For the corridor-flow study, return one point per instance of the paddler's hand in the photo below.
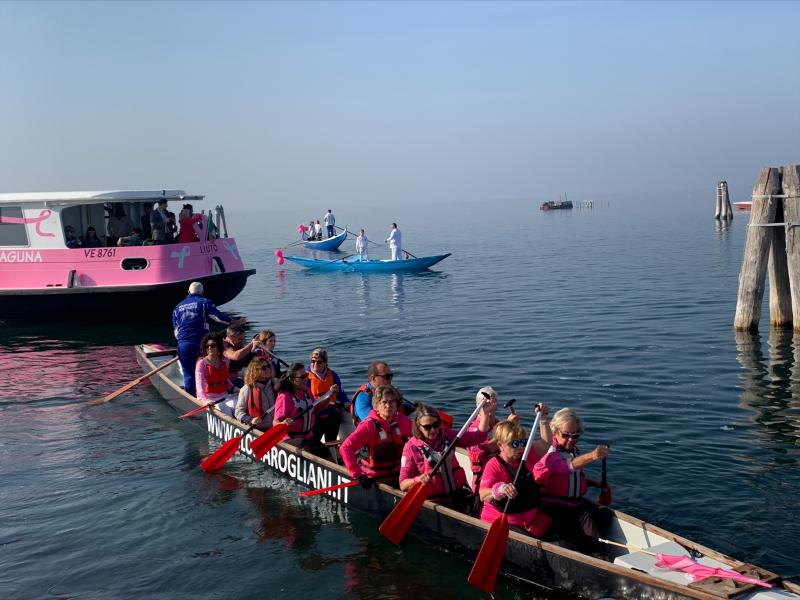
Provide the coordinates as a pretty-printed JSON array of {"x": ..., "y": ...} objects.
[
  {"x": 600, "y": 452},
  {"x": 255, "y": 420},
  {"x": 424, "y": 478}
]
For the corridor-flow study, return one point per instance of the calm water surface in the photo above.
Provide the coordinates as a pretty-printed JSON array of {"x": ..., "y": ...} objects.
[{"x": 623, "y": 312}]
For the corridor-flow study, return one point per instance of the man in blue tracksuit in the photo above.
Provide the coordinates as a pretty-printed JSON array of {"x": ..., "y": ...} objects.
[{"x": 190, "y": 321}]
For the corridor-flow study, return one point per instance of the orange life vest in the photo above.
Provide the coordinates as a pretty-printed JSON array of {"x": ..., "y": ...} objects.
[{"x": 319, "y": 386}]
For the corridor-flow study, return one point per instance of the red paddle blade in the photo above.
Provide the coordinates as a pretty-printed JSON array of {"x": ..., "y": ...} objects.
[
  {"x": 394, "y": 527},
  {"x": 332, "y": 488},
  {"x": 194, "y": 411},
  {"x": 487, "y": 565},
  {"x": 605, "y": 497},
  {"x": 447, "y": 420},
  {"x": 221, "y": 455},
  {"x": 267, "y": 440}
]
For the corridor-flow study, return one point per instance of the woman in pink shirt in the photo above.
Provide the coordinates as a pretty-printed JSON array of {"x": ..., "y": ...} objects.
[
  {"x": 497, "y": 483},
  {"x": 374, "y": 449},
  {"x": 294, "y": 398},
  {"x": 560, "y": 474},
  {"x": 423, "y": 450}
]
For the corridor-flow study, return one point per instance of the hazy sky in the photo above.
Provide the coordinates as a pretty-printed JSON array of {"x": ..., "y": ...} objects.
[{"x": 338, "y": 103}]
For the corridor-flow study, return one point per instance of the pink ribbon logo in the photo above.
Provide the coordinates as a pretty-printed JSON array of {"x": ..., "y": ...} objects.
[{"x": 43, "y": 216}]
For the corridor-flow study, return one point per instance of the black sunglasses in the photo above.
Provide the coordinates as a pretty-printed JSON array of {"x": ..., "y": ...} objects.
[
  {"x": 430, "y": 426},
  {"x": 569, "y": 436},
  {"x": 387, "y": 376}
]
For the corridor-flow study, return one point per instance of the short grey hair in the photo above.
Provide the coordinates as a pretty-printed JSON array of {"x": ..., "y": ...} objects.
[
  {"x": 196, "y": 288},
  {"x": 564, "y": 416}
]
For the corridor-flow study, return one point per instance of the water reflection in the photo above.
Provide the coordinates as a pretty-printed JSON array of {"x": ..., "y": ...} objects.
[
  {"x": 398, "y": 293},
  {"x": 280, "y": 275},
  {"x": 362, "y": 291},
  {"x": 770, "y": 384}
]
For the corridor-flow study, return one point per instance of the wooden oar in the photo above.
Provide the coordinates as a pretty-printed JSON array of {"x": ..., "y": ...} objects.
[
  {"x": 133, "y": 383},
  {"x": 199, "y": 409},
  {"x": 487, "y": 565},
  {"x": 217, "y": 459},
  {"x": 605, "y": 492},
  {"x": 330, "y": 262},
  {"x": 628, "y": 546},
  {"x": 347, "y": 484},
  {"x": 269, "y": 439},
  {"x": 394, "y": 527}
]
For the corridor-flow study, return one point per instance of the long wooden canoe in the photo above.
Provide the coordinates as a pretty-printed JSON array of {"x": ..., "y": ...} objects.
[{"x": 542, "y": 564}]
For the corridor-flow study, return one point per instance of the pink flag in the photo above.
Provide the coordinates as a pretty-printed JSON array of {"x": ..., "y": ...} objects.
[{"x": 697, "y": 571}]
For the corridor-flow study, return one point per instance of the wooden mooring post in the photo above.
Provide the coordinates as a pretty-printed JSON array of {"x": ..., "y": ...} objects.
[
  {"x": 772, "y": 246},
  {"x": 724, "y": 211}
]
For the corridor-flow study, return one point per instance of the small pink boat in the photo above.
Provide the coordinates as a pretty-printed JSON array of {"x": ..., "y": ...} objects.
[{"x": 41, "y": 276}]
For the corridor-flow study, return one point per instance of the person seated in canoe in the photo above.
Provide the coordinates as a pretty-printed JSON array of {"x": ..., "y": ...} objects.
[
  {"x": 257, "y": 395},
  {"x": 560, "y": 472},
  {"x": 480, "y": 455},
  {"x": 374, "y": 449},
  {"x": 378, "y": 373},
  {"x": 497, "y": 483},
  {"x": 237, "y": 352},
  {"x": 429, "y": 440},
  {"x": 265, "y": 347},
  {"x": 294, "y": 397},
  {"x": 322, "y": 379},
  {"x": 211, "y": 371}
]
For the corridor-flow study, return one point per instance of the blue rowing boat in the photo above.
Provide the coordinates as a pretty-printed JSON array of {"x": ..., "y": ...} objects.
[
  {"x": 354, "y": 264},
  {"x": 330, "y": 244}
]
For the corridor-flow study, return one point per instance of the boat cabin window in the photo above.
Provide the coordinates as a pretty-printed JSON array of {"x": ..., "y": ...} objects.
[
  {"x": 12, "y": 227},
  {"x": 134, "y": 264}
]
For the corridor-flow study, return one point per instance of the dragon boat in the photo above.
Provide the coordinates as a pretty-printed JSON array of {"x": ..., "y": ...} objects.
[{"x": 632, "y": 574}]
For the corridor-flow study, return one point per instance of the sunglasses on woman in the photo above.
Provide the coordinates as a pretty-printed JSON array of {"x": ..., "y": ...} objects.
[
  {"x": 211, "y": 346},
  {"x": 569, "y": 436},
  {"x": 518, "y": 443},
  {"x": 429, "y": 426}
]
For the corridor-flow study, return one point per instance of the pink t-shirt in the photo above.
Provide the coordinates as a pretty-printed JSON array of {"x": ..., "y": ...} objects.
[{"x": 496, "y": 473}]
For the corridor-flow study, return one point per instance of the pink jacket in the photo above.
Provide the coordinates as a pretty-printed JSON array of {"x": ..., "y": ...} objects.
[
  {"x": 287, "y": 406},
  {"x": 367, "y": 436},
  {"x": 555, "y": 474},
  {"x": 419, "y": 458},
  {"x": 495, "y": 473}
]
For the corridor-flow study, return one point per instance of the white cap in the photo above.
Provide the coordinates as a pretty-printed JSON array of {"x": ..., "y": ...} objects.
[
  {"x": 196, "y": 288},
  {"x": 479, "y": 397}
]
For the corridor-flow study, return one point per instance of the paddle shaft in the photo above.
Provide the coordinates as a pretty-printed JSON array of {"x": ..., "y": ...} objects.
[
  {"x": 329, "y": 262},
  {"x": 628, "y": 546},
  {"x": 133, "y": 383},
  {"x": 194, "y": 411},
  {"x": 452, "y": 445},
  {"x": 276, "y": 357}
]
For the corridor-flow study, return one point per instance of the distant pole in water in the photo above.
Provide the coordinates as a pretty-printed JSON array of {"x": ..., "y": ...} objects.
[
  {"x": 724, "y": 210},
  {"x": 773, "y": 247}
]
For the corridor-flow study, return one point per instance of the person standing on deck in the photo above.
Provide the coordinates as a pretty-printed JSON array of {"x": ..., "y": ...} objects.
[
  {"x": 190, "y": 322},
  {"x": 159, "y": 222},
  {"x": 362, "y": 245},
  {"x": 395, "y": 241},
  {"x": 330, "y": 221}
]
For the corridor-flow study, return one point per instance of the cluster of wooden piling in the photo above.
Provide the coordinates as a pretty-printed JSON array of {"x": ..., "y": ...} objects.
[
  {"x": 772, "y": 246},
  {"x": 724, "y": 210}
]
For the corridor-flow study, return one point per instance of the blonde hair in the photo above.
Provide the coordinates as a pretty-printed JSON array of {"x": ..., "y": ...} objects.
[
  {"x": 564, "y": 416},
  {"x": 264, "y": 335},
  {"x": 505, "y": 432},
  {"x": 254, "y": 371}
]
